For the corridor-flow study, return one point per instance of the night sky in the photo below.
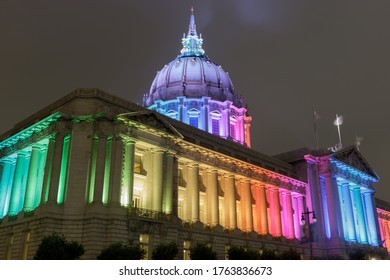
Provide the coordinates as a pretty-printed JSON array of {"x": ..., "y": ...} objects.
[{"x": 284, "y": 57}]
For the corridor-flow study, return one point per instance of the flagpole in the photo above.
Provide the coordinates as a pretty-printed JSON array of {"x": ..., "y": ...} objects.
[{"x": 315, "y": 127}]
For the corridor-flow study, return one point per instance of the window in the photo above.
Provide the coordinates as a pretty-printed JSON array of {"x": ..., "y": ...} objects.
[
  {"x": 144, "y": 242},
  {"x": 233, "y": 130},
  {"x": 138, "y": 168},
  {"x": 215, "y": 126},
  {"x": 194, "y": 121}
]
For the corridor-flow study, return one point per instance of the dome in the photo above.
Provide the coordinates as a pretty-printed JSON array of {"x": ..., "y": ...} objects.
[
  {"x": 196, "y": 91},
  {"x": 192, "y": 75}
]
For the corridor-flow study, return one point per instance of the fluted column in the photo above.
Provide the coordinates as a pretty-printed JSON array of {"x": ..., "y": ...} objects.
[
  {"x": 158, "y": 157},
  {"x": 275, "y": 217},
  {"x": 297, "y": 220},
  {"x": 168, "y": 186},
  {"x": 213, "y": 199},
  {"x": 6, "y": 184},
  {"x": 128, "y": 173},
  {"x": 34, "y": 179},
  {"x": 100, "y": 166},
  {"x": 360, "y": 222},
  {"x": 348, "y": 217},
  {"x": 289, "y": 215},
  {"x": 117, "y": 170},
  {"x": 371, "y": 218},
  {"x": 19, "y": 183},
  {"x": 246, "y": 205},
  {"x": 230, "y": 201},
  {"x": 193, "y": 192},
  {"x": 333, "y": 205},
  {"x": 48, "y": 172},
  {"x": 386, "y": 233}
]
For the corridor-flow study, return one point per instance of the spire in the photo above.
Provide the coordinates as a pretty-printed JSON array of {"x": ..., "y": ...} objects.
[
  {"x": 192, "y": 44},
  {"x": 192, "y": 26}
]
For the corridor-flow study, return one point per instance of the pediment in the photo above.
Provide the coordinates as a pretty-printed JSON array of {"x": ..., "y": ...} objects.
[
  {"x": 150, "y": 119},
  {"x": 354, "y": 158}
]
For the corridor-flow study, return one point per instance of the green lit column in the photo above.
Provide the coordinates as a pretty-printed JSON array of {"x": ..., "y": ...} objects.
[
  {"x": 32, "y": 180},
  {"x": 168, "y": 186},
  {"x": 158, "y": 158},
  {"x": 63, "y": 174},
  {"x": 117, "y": 167},
  {"x": 48, "y": 167},
  {"x": 55, "y": 159},
  {"x": 107, "y": 171},
  {"x": 128, "y": 173},
  {"x": 5, "y": 184},
  {"x": 19, "y": 183},
  {"x": 100, "y": 164}
]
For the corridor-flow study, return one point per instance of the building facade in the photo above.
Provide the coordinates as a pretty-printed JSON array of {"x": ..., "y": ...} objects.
[{"x": 100, "y": 169}]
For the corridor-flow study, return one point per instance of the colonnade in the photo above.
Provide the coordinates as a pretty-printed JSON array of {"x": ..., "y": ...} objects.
[
  {"x": 22, "y": 179},
  {"x": 248, "y": 204},
  {"x": 358, "y": 213}
]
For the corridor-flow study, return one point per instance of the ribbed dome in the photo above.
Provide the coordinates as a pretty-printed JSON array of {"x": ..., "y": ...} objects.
[{"x": 192, "y": 77}]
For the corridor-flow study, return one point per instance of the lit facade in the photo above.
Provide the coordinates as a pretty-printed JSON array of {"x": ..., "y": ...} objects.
[{"x": 100, "y": 169}]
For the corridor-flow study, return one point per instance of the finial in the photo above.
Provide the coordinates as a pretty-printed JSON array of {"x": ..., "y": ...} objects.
[{"x": 192, "y": 44}]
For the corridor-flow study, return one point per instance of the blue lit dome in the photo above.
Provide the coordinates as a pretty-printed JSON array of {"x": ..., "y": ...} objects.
[{"x": 195, "y": 90}]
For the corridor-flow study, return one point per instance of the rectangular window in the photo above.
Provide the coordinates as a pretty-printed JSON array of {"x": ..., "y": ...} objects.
[
  {"x": 233, "y": 130},
  {"x": 186, "y": 250},
  {"x": 194, "y": 122},
  {"x": 215, "y": 126}
]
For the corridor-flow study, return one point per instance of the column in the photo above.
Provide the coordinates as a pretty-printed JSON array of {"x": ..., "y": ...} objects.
[
  {"x": 262, "y": 209},
  {"x": 100, "y": 170},
  {"x": 297, "y": 219},
  {"x": 276, "y": 212},
  {"x": 107, "y": 171},
  {"x": 19, "y": 183},
  {"x": 289, "y": 215},
  {"x": 213, "y": 199},
  {"x": 193, "y": 192},
  {"x": 349, "y": 221},
  {"x": 5, "y": 184},
  {"x": 246, "y": 205},
  {"x": 48, "y": 172},
  {"x": 34, "y": 174},
  {"x": 230, "y": 201},
  {"x": 247, "y": 126},
  {"x": 386, "y": 233},
  {"x": 371, "y": 218},
  {"x": 116, "y": 172},
  {"x": 168, "y": 187},
  {"x": 332, "y": 205},
  {"x": 157, "y": 180},
  {"x": 360, "y": 222},
  {"x": 205, "y": 113},
  {"x": 128, "y": 173}
]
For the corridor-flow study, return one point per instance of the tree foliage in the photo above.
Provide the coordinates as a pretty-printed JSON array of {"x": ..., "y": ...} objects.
[
  {"x": 291, "y": 254},
  {"x": 202, "y": 251},
  {"x": 268, "y": 255},
  {"x": 118, "y": 251},
  {"x": 55, "y": 247},
  {"x": 165, "y": 251},
  {"x": 239, "y": 253}
]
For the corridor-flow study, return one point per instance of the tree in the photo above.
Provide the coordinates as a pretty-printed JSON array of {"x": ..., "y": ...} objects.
[
  {"x": 239, "y": 253},
  {"x": 357, "y": 254},
  {"x": 118, "y": 251},
  {"x": 165, "y": 251},
  {"x": 55, "y": 247},
  {"x": 268, "y": 255},
  {"x": 291, "y": 254},
  {"x": 202, "y": 251}
]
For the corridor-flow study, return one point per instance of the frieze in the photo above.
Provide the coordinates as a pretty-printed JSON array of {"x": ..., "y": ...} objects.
[{"x": 350, "y": 174}]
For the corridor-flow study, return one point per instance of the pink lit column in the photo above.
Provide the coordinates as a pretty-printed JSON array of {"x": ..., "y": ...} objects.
[
  {"x": 297, "y": 220},
  {"x": 276, "y": 224},
  {"x": 289, "y": 219}
]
